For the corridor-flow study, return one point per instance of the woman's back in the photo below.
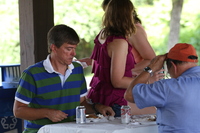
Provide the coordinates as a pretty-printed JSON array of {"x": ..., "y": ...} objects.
[{"x": 102, "y": 90}]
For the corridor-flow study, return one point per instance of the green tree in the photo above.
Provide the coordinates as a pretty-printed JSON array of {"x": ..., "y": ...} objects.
[
  {"x": 9, "y": 42},
  {"x": 175, "y": 22},
  {"x": 85, "y": 17}
]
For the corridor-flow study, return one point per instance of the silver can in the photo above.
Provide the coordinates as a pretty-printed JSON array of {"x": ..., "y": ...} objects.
[
  {"x": 125, "y": 114},
  {"x": 80, "y": 115}
]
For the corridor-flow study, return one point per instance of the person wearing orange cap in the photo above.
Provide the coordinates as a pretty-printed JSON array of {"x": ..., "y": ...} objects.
[{"x": 174, "y": 98}]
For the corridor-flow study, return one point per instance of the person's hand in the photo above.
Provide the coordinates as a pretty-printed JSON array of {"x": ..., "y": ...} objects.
[
  {"x": 157, "y": 76},
  {"x": 134, "y": 73},
  {"x": 105, "y": 110},
  {"x": 157, "y": 63},
  {"x": 56, "y": 115},
  {"x": 87, "y": 60}
]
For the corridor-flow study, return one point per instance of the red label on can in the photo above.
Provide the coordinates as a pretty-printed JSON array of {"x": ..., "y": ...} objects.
[{"x": 125, "y": 114}]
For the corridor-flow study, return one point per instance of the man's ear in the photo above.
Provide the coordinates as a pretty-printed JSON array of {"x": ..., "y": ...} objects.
[
  {"x": 52, "y": 47},
  {"x": 174, "y": 67}
]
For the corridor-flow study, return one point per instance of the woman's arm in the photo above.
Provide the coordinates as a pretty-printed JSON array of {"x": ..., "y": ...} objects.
[
  {"x": 141, "y": 45},
  {"x": 118, "y": 50}
]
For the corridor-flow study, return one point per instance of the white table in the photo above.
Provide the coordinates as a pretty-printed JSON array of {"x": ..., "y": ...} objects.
[{"x": 114, "y": 126}]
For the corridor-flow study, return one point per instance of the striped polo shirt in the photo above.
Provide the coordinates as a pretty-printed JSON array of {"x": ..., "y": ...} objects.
[{"x": 41, "y": 88}]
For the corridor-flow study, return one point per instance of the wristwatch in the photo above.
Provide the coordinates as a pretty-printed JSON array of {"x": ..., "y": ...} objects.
[{"x": 149, "y": 70}]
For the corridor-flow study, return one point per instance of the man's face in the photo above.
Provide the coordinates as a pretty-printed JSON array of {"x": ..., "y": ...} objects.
[{"x": 65, "y": 53}]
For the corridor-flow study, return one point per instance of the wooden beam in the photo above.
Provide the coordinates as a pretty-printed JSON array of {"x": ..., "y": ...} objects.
[{"x": 36, "y": 17}]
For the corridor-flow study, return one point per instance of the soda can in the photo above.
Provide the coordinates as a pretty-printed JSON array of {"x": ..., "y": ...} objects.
[
  {"x": 125, "y": 114},
  {"x": 80, "y": 115}
]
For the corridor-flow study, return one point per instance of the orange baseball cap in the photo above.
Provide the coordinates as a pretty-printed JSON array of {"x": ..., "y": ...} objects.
[{"x": 183, "y": 52}]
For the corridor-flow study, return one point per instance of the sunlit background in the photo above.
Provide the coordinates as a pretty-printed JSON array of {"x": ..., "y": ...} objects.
[{"x": 85, "y": 17}]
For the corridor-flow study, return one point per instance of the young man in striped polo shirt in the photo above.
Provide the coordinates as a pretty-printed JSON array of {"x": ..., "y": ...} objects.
[{"x": 49, "y": 91}]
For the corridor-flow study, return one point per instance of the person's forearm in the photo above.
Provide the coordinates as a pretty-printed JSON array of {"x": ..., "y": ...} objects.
[
  {"x": 89, "y": 107},
  {"x": 155, "y": 65},
  {"x": 140, "y": 66},
  {"x": 24, "y": 112},
  {"x": 28, "y": 113},
  {"x": 142, "y": 78}
]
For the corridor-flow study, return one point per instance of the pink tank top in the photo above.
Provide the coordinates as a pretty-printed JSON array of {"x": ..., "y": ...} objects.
[{"x": 102, "y": 91}]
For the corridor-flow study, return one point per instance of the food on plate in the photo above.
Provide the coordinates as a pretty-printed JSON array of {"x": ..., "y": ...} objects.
[
  {"x": 92, "y": 116},
  {"x": 152, "y": 118},
  {"x": 142, "y": 118}
]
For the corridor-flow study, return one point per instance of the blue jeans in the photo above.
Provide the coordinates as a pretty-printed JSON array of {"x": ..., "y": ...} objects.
[{"x": 117, "y": 109}]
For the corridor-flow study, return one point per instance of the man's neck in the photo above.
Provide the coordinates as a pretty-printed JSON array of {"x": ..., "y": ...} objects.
[{"x": 59, "y": 67}]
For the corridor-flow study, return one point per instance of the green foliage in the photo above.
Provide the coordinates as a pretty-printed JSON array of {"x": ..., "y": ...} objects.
[
  {"x": 85, "y": 17},
  {"x": 190, "y": 32},
  {"x": 9, "y": 42},
  {"x": 156, "y": 19},
  {"x": 144, "y": 2},
  {"x": 156, "y": 23}
]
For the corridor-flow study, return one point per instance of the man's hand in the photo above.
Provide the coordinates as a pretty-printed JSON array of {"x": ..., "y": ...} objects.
[
  {"x": 105, "y": 110},
  {"x": 157, "y": 76},
  {"x": 157, "y": 63},
  {"x": 56, "y": 115}
]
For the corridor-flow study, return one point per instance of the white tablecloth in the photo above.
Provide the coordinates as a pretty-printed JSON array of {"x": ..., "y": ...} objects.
[{"x": 114, "y": 126}]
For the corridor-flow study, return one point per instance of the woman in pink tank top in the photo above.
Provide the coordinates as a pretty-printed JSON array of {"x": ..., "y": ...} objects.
[
  {"x": 113, "y": 60},
  {"x": 115, "y": 55}
]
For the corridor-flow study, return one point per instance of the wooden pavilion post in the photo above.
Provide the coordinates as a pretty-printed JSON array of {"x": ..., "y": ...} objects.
[{"x": 36, "y": 17}]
